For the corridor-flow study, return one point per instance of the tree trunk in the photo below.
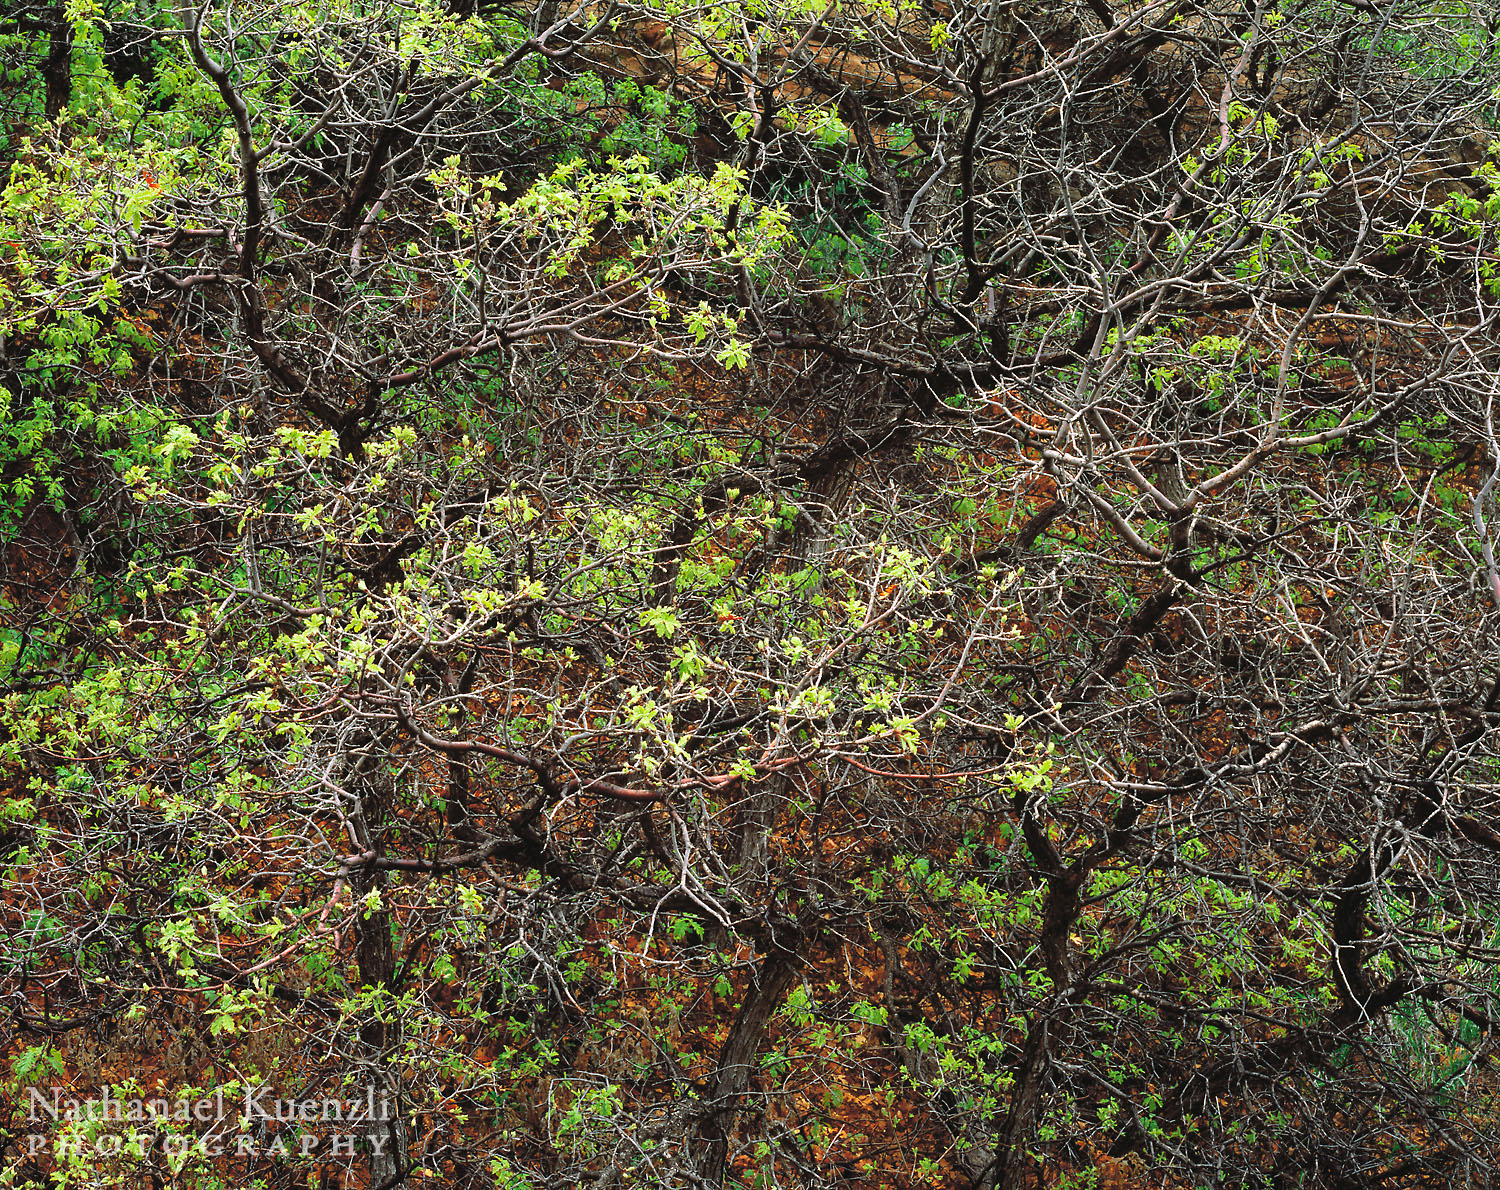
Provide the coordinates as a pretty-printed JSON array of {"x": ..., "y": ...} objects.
[
  {"x": 57, "y": 68},
  {"x": 375, "y": 954},
  {"x": 737, "y": 1060}
]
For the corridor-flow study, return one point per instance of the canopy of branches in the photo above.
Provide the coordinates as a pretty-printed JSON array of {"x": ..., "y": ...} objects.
[{"x": 750, "y": 593}]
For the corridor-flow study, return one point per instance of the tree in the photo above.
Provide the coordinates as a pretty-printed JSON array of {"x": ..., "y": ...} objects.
[{"x": 756, "y": 594}]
